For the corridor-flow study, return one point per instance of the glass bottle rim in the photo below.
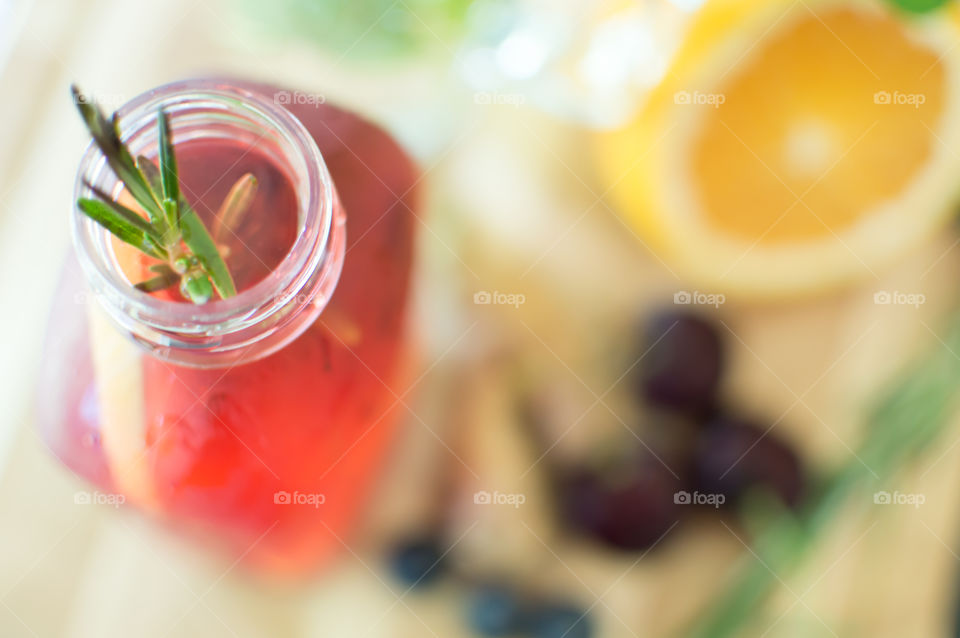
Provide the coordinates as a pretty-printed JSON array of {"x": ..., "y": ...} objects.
[{"x": 256, "y": 312}]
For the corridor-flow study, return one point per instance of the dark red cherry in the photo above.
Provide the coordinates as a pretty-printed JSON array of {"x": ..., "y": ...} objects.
[
  {"x": 734, "y": 455},
  {"x": 682, "y": 360},
  {"x": 629, "y": 511}
]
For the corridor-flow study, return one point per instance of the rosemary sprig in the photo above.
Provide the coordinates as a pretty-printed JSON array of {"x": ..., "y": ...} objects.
[
  {"x": 170, "y": 231},
  {"x": 906, "y": 422}
]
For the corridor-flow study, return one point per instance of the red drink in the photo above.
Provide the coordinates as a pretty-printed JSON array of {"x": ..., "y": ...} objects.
[{"x": 273, "y": 457}]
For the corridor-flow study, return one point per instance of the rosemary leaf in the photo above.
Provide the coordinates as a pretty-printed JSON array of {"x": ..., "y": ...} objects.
[
  {"x": 198, "y": 240},
  {"x": 165, "y": 278},
  {"x": 196, "y": 287},
  {"x": 156, "y": 247},
  {"x": 131, "y": 216},
  {"x": 119, "y": 226},
  {"x": 153, "y": 196},
  {"x": 235, "y": 205},
  {"x": 152, "y": 174},
  {"x": 172, "y": 211},
  {"x": 107, "y": 139},
  {"x": 168, "y": 170}
]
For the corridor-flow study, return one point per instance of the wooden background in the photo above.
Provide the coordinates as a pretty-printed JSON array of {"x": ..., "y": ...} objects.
[{"x": 512, "y": 206}]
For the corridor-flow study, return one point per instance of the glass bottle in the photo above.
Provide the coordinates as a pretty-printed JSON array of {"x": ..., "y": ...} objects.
[{"x": 259, "y": 422}]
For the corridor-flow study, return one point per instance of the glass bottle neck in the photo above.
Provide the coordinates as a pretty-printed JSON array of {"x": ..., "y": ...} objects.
[{"x": 270, "y": 314}]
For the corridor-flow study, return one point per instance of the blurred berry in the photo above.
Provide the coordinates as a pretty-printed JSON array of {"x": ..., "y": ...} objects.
[
  {"x": 581, "y": 498},
  {"x": 733, "y": 456},
  {"x": 682, "y": 362},
  {"x": 630, "y": 513},
  {"x": 417, "y": 561},
  {"x": 560, "y": 620},
  {"x": 494, "y": 610}
]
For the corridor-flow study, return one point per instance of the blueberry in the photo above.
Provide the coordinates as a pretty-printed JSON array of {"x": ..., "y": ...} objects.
[
  {"x": 560, "y": 620},
  {"x": 417, "y": 561},
  {"x": 734, "y": 455},
  {"x": 494, "y": 610},
  {"x": 681, "y": 362}
]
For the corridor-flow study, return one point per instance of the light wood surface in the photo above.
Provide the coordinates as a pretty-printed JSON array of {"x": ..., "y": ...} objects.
[{"x": 513, "y": 208}]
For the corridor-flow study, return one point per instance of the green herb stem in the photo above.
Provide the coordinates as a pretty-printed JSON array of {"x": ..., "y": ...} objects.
[
  {"x": 909, "y": 418},
  {"x": 171, "y": 232}
]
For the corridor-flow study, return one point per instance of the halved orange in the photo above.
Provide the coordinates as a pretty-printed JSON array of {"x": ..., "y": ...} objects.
[{"x": 794, "y": 144}]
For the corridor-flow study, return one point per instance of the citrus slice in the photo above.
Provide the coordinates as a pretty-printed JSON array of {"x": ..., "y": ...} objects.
[{"x": 794, "y": 144}]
